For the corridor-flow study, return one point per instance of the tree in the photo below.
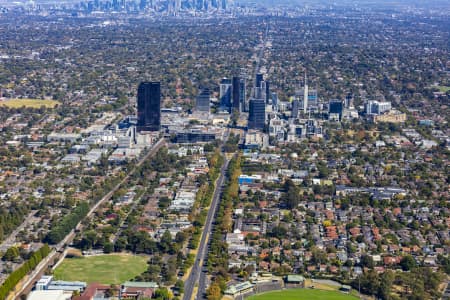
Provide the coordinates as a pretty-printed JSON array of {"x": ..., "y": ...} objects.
[
  {"x": 408, "y": 263},
  {"x": 163, "y": 294},
  {"x": 386, "y": 281},
  {"x": 120, "y": 244},
  {"x": 179, "y": 285},
  {"x": 108, "y": 247},
  {"x": 431, "y": 280},
  {"x": 214, "y": 292},
  {"x": 11, "y": 254},
  {"x": 370, "y": 282},
  {"x": 291, "y": 197},
  {"x": 278, "y": 232},
  {"x": 318, "y": 256},
  {"x": 367, "y": 261},
  {"x": 20, "y": 272},
  {"x": 166, "y": 241},
  {"x": 323, "y": 170},
  {"x": 180, "y": 237},
  {"x": 164, "y": 202},
  {"x": 67, "y": 223},
  {"x": 445, "y": 262}
]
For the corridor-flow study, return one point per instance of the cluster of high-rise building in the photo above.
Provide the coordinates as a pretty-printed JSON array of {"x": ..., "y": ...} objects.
[
  {"x": 232, "y": 94},
  {"x": 285, "y": 121},
  {"x": 170, "y": 6},
  {"x": 233, "y": 99},
  {"x": 305, "y": 100},
  {"x": 257, "y": 103}
]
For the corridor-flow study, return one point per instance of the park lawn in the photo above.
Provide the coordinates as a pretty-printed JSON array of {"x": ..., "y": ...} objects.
[
  {"x": 106, "y": 269},
  {"x": 31, "y": 103},
  {"x": 303, "y": 294}
]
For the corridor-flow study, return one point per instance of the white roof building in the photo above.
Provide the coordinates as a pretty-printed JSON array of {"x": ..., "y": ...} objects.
[{"x": 49, "y": 295}]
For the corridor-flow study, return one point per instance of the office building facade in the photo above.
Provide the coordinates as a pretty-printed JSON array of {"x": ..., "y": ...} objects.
[
  {"x": 236, "y": 94},
  {"x": 149, "y": 106},
  {"x": 335, "y": 109},
  {"x": 225, "y": 93},
  {"x": 377, "y": 107},
  {"x": 259, "y": 79},
  {"x": 242, "y": 94},
  {"x": 257, "y": 114},
  {"x": 202, "y": 103},
  {"x": 295, "y": 108},
  {"x": 267, "y": 92}
]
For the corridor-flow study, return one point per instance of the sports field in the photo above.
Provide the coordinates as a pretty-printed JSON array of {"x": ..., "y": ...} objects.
[
  {"x": 303, "y": 294},
  {"x": 31, "y": 103},
  {"x": 107, "y": 269}
]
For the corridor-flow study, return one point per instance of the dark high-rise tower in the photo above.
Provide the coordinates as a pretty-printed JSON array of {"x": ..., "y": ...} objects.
[
  {"x": 236, "y": 93},
  {"x": 295, "y": 108},
  {"x": 257, "y": 114},
  {"x": 149, "y": 106},
  {"x": 242, "y": 94},
  {"x": 267, "y": 91},
  {"x": 258, "y": 80},
  {"x": 336, "y": 107}
]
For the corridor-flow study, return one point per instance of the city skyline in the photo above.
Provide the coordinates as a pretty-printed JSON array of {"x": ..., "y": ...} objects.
[{"x": 173, "y": 150}]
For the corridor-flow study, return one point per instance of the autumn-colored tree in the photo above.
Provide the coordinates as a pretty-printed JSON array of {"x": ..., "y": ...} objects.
[{"x": 213, "y": 292}]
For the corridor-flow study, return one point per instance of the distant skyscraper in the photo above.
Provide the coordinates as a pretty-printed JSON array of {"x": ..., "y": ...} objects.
[
  {"x": 257, "y": 114},
  {"x": 258, "y": 93},
  {"x": 236, "y": 93},
  {"x": 142, "y": 4},
  {"x": 202, "y": 101},
  {"x": 308, "y": 97},
  {"x": 336, "y": 107},
  {"x": 349, "y": 100},
  {"x": 90, "y": 6},
  {"x": 202, "y": 4},
  {"x": 274, "y": 99},
  {"x": 295, "y": 108},
  {"x": 312, "y": 97},
  {"x": 305, "y": 95},
  {"x": 263, "y": 90},
  {"x": 258, "y": 80},
  {"x": 177, "y": 6},
  {"x": 267, "y": 91},
  {"x": 115, "y": 5},
  {"x": 149, "y": 106},
  {"x": 225, "y": 93},
  {"x": 242, "y": 94}
]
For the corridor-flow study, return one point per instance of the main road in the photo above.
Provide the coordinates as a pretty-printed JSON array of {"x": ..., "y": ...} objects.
[
  {"x": 197, "y": 276},
  {"x": 262, "y": 47},
  {"x": 197, "y": 272}
]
